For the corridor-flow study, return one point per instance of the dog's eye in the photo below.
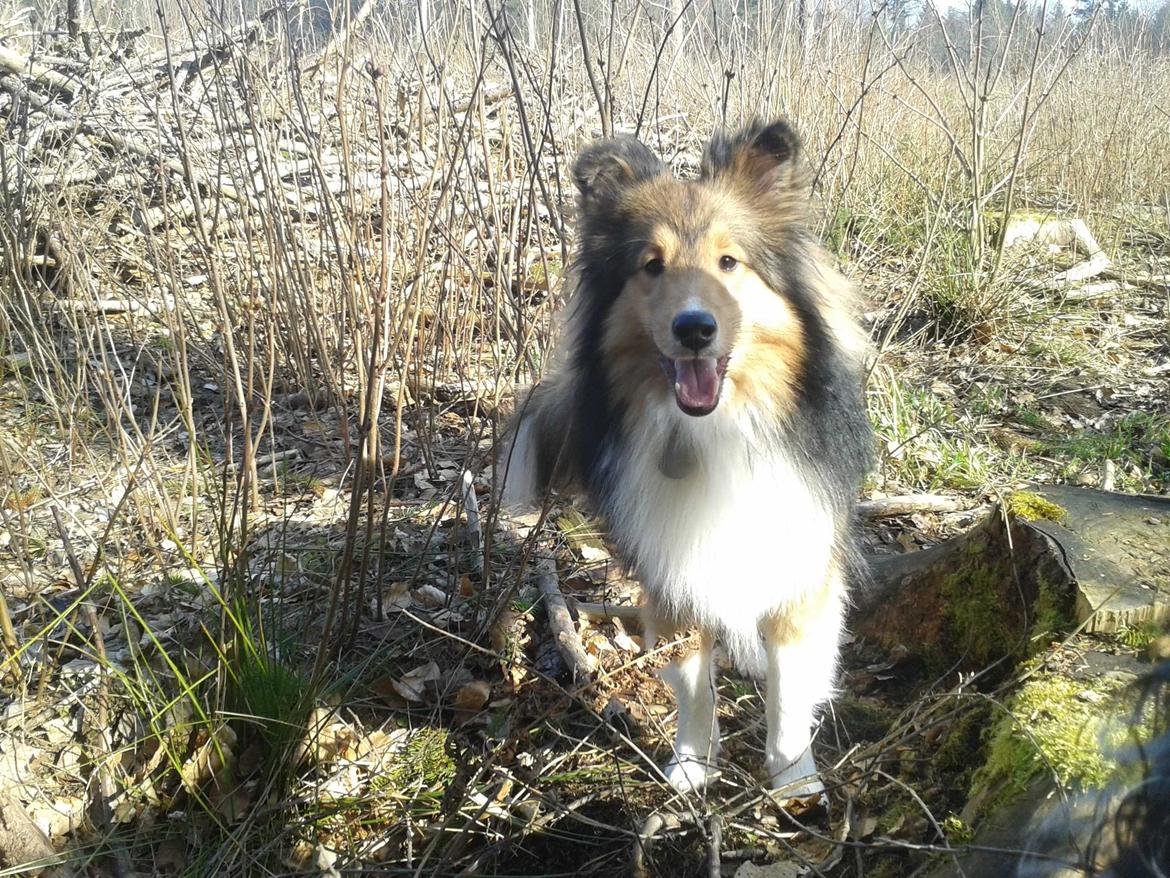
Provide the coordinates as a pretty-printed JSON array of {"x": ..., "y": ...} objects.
[
  {"x": 728, "y": 263},
  {"x": 655, "y": 267}
]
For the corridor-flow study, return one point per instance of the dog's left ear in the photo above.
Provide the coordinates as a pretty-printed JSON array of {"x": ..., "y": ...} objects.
[{"x": 761, "y": 158}]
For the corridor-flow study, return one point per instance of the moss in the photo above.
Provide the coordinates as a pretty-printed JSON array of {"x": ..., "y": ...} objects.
[
  {"x": 1050, "y": 727},
  {"x": 958, "y": 831},
  {"x": 865, "y": 719},
  {"x": 957, "y": 754},
  {"x": 893, "y": 812},
  {"x": 975, "y": 612},
  {"x": 1052, "y": 613},
  {"x": 1033, "y": 507},
  {"x": 891, "y": 866},
  {"x": 1033, "y": 419}
]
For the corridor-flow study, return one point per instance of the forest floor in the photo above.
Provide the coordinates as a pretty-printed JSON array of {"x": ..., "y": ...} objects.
[
  {"x": 450, "y": 737},
  {"x": 199, "y": 681}
]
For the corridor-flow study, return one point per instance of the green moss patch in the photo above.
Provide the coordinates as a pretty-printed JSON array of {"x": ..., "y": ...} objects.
[
  {"x": 982, "y": 630},
  {"x": 1033, "y": 507},
  {"x": 1052, "y": 614},
  {"x": 865, "y": 719},
  {"x": 957, "y": 754},
  {"x": 1058, "y": 725},
  {"x": 957, "y": 830}
]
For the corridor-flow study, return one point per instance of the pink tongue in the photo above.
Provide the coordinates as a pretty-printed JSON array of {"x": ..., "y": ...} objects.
[{"x": 696, "y": 382}]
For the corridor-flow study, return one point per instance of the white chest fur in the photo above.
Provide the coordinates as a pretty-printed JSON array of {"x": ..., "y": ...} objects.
[{"x": 737, "y": 537}]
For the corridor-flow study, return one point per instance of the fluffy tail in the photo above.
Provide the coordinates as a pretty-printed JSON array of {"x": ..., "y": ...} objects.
[{"x": 536, "y": 454}]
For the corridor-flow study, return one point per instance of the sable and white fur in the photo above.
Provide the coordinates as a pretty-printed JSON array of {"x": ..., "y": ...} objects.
[{"x": 707, "y": 398}]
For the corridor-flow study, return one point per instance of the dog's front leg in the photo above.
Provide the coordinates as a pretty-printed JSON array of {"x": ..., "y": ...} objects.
[
  {"x": 802, "y": 661},
  {"x": 697, "y": 743},
  {"x": 792, "y": 697}
]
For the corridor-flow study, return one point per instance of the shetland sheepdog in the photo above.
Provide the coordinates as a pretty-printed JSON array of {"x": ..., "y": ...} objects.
[{"x": 707, "y": 398}]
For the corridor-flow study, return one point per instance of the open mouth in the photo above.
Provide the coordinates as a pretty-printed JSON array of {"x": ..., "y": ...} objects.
[{"x": 697, "y": 382}]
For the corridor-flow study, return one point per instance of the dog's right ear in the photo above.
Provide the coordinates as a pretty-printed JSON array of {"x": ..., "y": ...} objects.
[{"x": 606, "y": 168}]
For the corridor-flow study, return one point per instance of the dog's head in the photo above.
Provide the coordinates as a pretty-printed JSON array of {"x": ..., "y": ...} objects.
[{"x": 693, "y": 272}]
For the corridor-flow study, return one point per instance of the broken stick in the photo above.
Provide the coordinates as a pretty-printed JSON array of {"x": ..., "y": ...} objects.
[
  {"x": 887, "y": 507},
  {"x": 572, "y": 650}
]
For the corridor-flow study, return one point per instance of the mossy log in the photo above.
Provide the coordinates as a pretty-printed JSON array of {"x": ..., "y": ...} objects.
[
  {"x": 1040, "y": 562},
  {"x": 1051, "y": 762},
  {"x": 1043, "y": 562}
]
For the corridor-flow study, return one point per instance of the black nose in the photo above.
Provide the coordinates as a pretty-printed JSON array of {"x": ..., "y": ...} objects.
[{"x": 694, "y": 329}]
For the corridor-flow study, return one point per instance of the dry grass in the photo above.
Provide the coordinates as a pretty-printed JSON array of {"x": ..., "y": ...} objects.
[{"x": 265, "y": 295}]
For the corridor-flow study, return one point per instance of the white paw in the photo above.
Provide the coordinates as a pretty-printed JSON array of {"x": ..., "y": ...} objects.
[
  {"x": 689, "y": 774},
  {"x": 794, "y": 780}
]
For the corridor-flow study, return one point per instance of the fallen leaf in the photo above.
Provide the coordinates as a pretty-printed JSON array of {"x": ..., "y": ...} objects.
[
  {"x": 412, "y": 685},
  {"x": 598, "y": 643},
  {"x": 233, "y": 805},
  {"x": 326, "y": 738},
  {"x": 396, "y": 597},
  {"x": 907, "y": 542},
  {"x": 301, "y": 856},
  {"x": 447, "y": 618},
  {"x": 593, "y": 553},
  {"x": 378, "y": 743},
  {"x": 473, "y": 696},
  {"x": 623, "y": 641},
  {"x": 60, "y": 817},
  {"x": 210, "y": 757},
  {"x": 430, "y": 596}
]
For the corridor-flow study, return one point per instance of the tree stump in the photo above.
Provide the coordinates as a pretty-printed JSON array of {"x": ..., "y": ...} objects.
[
  {"x": 1045, "y": 562},
  {"x": 1045, "y": 559}
]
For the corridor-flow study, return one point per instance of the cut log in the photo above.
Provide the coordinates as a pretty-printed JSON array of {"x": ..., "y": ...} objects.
[
  {"x": 962, "y": 600},
  {"x": 1117, "y": 549}
]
